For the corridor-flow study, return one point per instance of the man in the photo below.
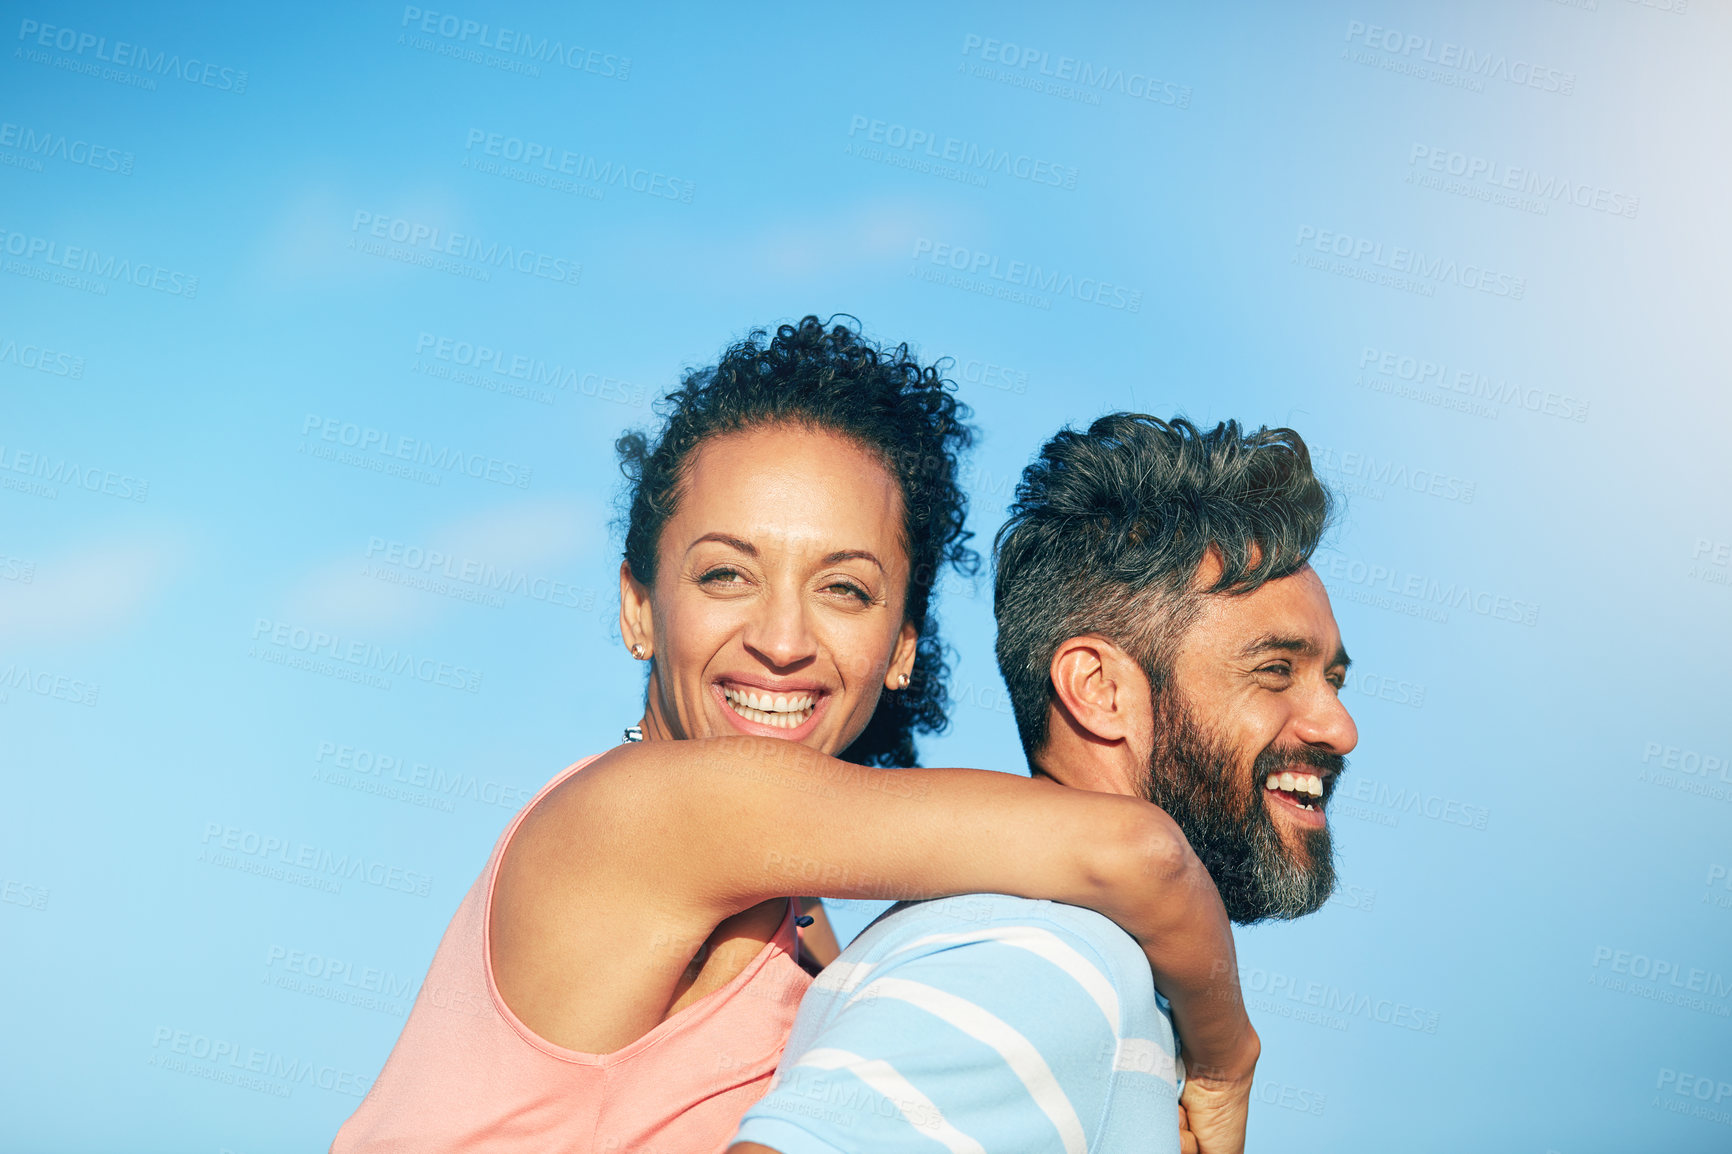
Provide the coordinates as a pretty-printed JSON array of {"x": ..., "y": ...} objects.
[{"x": 1162, "y": 635}]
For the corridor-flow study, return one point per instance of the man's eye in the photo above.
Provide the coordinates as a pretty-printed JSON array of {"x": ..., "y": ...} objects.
[{"x": 1279, "y": 668}]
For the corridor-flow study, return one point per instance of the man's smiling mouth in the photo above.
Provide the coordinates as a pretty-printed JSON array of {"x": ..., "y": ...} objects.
[
  {"x": 779, "y": 710},
  {"x": 1304, "y": 790}
]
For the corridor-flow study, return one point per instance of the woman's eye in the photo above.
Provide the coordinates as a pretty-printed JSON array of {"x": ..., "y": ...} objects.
[
  {"x": 851, "y": 590},
  {"x": 721, "y": 576}
]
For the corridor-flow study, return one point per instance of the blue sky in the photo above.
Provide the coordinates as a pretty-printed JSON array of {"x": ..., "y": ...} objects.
[{"x": 312, "y": 318}]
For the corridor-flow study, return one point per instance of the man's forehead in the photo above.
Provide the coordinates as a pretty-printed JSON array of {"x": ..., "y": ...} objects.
[{"x": 1290, "y": 613}]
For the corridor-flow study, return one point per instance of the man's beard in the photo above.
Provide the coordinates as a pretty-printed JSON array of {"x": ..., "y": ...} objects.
[{"x": 1195, "y": 777}]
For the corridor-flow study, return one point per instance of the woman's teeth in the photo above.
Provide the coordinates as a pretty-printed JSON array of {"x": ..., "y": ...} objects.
[
  {"x": 781, "y": 710},
  {"x": 1300, "y": 784}
]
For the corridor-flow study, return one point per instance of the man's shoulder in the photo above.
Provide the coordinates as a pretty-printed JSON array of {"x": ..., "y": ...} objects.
[
  {"x": 1019, "y": 941},
  {"x": 955, "y": 922}
]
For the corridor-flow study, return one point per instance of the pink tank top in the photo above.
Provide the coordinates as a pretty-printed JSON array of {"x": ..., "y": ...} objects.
[{"x": 467, "y": 1075}]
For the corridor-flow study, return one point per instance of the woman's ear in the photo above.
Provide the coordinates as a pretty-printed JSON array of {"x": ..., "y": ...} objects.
[
  {"x": 636, "y": 620},
  {"x": 1102, "y": 687},
  {"x": 901, "y": 670}
]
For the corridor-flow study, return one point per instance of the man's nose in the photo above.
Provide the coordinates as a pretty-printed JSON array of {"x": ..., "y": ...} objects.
[
  {"x": 780, "y": 632},
  {"x": 1324, "y": 722}
]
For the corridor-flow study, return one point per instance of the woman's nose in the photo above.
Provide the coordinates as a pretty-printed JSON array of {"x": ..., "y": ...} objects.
[{"x": 779, "y": 631}]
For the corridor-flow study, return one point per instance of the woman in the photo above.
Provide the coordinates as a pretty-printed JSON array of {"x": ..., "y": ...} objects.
[{"x": 623, "y": 974}]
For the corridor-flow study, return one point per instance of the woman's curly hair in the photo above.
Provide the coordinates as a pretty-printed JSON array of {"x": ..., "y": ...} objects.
[{"x": 824, "y": 375}]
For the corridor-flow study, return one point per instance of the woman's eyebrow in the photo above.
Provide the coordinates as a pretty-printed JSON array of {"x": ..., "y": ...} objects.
[
  {"x": 745, "y": 547},
  {"x": 854, "y": 555},
  {"x": 751, "y": 550}
]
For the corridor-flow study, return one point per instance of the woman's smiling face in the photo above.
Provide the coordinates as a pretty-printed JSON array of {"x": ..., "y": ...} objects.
[{"x": 778, "y": 601}]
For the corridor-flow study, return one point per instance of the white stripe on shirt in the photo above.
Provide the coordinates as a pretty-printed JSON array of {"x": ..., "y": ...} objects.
[
  {"x": 1044, "y": 944},
  {"x": 1016, "y": 1050},
  {"x": 882, "y": 1077}
]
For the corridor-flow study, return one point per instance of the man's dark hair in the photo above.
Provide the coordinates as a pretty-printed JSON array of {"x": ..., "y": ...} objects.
[
  {"x": 1108, "y": 530},
  {"x": 825, "y": 376}
]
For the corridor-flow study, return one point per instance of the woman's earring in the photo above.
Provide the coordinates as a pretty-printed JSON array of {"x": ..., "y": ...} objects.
[
  {"x": 637, "y": 651},
  {"x": 902, "y": 681}
]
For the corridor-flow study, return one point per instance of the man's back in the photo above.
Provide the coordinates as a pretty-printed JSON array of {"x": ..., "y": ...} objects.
[{"x": 981, "y": 1022}]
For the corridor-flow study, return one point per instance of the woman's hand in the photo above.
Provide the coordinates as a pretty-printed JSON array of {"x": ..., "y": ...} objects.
[
  {"x": 1213, "y": 1113},
  {"x": 1163, "y": 897}
]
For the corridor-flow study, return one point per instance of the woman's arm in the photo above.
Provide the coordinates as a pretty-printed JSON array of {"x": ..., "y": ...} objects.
[{"x": 617, "y": 877}]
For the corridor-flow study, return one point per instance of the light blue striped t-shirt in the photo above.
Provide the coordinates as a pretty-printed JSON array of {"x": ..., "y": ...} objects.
[{"x": 973, "y": 1024}]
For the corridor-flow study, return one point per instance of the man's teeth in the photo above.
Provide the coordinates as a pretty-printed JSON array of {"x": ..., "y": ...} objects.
[
  {"x": 782, "y": 710},
  {"x": 1307, "y": 784}
]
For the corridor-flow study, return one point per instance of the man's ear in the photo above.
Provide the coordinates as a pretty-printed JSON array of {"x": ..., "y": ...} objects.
[
  {"x": 1101, "y": 687},
  {"x": 636, "y": 621}
]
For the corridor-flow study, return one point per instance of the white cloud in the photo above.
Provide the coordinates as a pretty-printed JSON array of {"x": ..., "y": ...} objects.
[
  {"x": 93, "y": 591},
  {"x": 544, "y": 539}
]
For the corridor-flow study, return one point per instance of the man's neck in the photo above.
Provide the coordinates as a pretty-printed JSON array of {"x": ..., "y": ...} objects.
[{"x": 1085, "y": 762}]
